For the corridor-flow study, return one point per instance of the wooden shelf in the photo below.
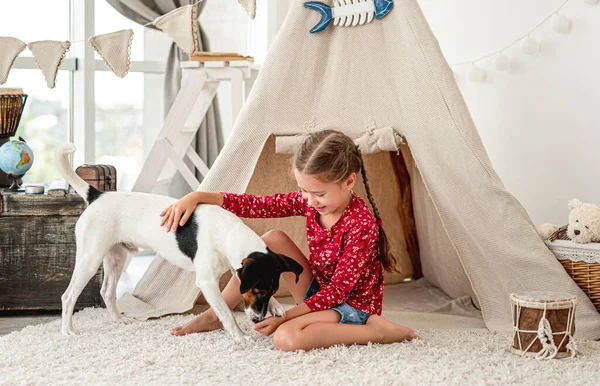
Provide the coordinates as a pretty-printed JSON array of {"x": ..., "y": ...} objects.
[{"x": 219, "y": 57}]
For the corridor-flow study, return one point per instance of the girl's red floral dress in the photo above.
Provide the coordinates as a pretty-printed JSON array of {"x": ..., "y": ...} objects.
[{"x": 342, "y": 258}]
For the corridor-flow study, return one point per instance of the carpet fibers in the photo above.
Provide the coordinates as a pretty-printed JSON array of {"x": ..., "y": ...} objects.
[{"x": 145, "y": 353}]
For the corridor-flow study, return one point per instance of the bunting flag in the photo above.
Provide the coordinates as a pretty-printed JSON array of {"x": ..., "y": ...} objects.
[
  {"x": 48, "y": 55},
  {"x": 249, "y": 6},
  {"x": 115, "y": 50},
  {"x": 180, "y": 25},
  {"x": 10, "y": 48}
]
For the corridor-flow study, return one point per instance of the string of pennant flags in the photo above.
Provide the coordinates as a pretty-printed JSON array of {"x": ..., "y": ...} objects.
[{"x": 114, "y": 48}]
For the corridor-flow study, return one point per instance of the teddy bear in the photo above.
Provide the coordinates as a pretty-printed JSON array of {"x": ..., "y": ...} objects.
[{"x": 583, "y": 227}]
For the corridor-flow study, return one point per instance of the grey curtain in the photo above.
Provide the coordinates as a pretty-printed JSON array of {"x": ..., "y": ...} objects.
[{"x": 209, "y": 140}]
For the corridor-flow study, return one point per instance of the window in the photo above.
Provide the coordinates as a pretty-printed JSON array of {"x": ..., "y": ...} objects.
[
  {"x": 224, "y": 23},
  {"x": 45, "y": 121},
  {"x": 129, "y": 110},
  {"x": 118, "y": 118}
]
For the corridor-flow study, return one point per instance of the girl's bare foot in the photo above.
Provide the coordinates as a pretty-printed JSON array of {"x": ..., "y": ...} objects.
[
  {"x": 390, "y": 332},
  {"x": 201, "y": 323}
]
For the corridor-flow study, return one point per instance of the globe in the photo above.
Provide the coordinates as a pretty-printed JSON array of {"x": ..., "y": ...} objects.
[{"x": 16, "y": 158}]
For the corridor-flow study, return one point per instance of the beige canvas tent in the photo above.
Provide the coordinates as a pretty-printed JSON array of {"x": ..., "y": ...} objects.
[{"x": 464, "y": 232}]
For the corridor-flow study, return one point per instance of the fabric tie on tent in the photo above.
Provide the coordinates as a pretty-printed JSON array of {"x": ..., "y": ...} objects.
[
  {"x": 373, "y": 141},
  {"x": 180, "y": 25},
  {"x": 48, "y": 55},
  {"x": 115, "y": 50},
  {"x": 10, "y": 48},
  {"x": 249, "y": 7},
  {"x": 288, "y": 144},
  {"x": 377, "y": 140}
]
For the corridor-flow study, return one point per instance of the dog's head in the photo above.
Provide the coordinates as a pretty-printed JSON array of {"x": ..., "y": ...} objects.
[{"x": 259, "y": 280}]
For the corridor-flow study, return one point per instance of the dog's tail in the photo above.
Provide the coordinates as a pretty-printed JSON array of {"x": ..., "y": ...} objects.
[{"x": 82, "y": 188}]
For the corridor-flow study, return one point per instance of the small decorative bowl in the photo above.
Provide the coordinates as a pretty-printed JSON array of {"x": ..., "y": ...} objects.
[{"x": 34, "y": 189}]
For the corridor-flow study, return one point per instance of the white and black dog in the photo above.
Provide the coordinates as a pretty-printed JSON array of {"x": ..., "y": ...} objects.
[{"x": 211, "y": 242}]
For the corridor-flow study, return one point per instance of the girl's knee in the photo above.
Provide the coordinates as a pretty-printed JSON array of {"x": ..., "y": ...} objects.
[
  {"x": 285, "y": 338},
  {"x": 274, "y": 236}
]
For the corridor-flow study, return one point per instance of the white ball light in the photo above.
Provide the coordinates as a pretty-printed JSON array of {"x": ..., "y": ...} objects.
[
  {"x": 502, "y": 62},
  {"x": 561, "y": 24},
  {"x": 530, "y": 46},
  {"x": 591, "y": 2},
  {"x": 476, "y": 74}
]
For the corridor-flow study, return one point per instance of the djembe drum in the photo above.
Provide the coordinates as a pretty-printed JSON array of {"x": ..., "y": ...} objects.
[{"x": 544, "y": 324}]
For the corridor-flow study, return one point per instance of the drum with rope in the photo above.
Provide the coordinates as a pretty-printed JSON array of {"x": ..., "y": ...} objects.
[{"x": 544, "y": 324}]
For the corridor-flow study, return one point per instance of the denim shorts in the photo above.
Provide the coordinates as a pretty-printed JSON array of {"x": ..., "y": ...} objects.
[{"x": 349, "y": 314}]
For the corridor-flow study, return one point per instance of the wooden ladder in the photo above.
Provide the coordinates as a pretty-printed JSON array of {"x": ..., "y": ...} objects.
[{"x": 199, "y": 84}]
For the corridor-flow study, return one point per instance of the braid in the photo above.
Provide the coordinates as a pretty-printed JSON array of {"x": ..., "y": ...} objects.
[
  {"x": 363, "y": 172},
  {"x": 387, "y": 259}
]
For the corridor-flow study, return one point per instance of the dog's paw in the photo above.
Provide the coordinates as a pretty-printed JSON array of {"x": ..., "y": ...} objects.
[
  {"x": 69, "y": 332},
  {"x": 241, "y": 338},
  {"x": 275, "y": 308},
  {"x": 125, "y": 320}
]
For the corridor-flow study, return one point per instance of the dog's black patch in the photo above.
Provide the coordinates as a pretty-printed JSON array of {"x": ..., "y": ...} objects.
[
  {"x": 93, "y": 194},
  {"x": 262, "y": 270},
  {"x": 186, "y": 237}
]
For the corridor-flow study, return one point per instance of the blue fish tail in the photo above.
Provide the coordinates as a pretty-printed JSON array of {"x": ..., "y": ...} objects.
[
  {"x": 326, "y": 15},
  {"x": 383, "y": 7}
]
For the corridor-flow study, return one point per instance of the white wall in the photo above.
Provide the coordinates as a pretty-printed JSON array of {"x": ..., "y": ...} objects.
[{"x": 541, "y": 123}]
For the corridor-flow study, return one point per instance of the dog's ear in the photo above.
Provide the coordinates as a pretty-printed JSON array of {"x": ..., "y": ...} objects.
[
  {"x": 247, "y": 277},
  {"x": 287, "y": 264}
]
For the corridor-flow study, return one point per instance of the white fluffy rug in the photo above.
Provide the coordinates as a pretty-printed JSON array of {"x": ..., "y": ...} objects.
[{"x": 145, "y": 353}]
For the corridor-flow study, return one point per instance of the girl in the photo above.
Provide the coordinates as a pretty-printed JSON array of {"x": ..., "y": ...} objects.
[{"x": 339, "y": 293}]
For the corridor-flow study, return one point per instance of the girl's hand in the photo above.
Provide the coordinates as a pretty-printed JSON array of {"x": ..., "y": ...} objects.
[
  {"x": 269, "y": 325},
  {"x": 179, "y": 212}
]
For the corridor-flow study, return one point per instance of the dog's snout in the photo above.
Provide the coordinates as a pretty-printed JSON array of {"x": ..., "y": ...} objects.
[{"x": 577, "y": 232}]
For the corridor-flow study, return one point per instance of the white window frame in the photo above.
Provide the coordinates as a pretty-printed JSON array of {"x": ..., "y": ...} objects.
[
  {"x": 82, "y": 66},
  {"x": 263, "y": 29}
]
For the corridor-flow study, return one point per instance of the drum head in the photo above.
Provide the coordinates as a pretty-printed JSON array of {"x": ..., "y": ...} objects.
[
  {"x": 543, "y": 296},
  {"x": 544, "y": 300}
]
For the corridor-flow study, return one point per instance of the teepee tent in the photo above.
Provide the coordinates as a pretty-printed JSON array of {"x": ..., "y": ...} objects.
[{"x": 474, "y": 238}]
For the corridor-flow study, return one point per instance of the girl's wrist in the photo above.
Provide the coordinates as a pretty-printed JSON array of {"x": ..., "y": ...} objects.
[
  {"x": 208, "y": 198},
  {"x": 199, "y": 198}
]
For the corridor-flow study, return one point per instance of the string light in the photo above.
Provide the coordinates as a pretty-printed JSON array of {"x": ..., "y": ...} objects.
[
  {"x": 561, "y": 23},
  {"x": 476, "y": 74},
  {"x": 502, "y": 62},
  {"x": 530, "y": 46}
]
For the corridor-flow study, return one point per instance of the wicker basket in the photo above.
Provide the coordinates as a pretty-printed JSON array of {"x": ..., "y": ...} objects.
[{"x": 582, "y": 263}]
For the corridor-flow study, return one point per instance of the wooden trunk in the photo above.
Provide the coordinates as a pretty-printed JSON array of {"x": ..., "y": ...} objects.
[
  {"x": 101, "y": 177},
  {"x": 37, "y": 252}
]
